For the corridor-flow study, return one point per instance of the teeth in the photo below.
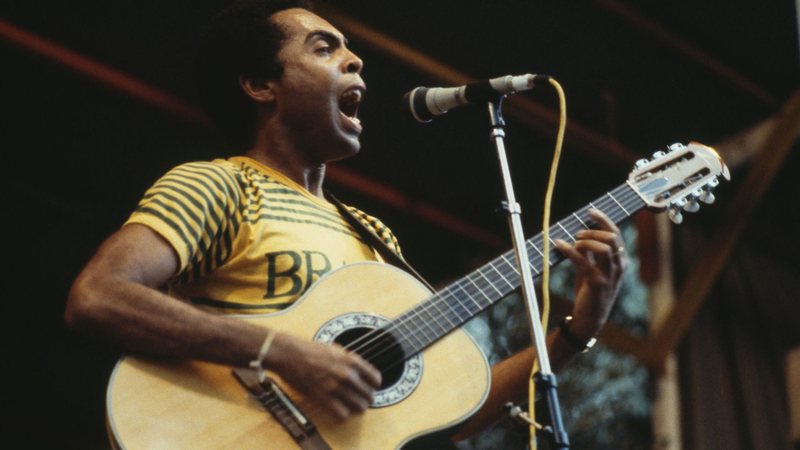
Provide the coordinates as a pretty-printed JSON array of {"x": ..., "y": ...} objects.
[{"x": 351, "y": 96}]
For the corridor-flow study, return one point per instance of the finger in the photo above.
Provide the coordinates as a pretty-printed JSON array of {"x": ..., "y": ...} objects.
[
  {"x": 609, "y": 257},
  {"x": 572, "y": 253},
  {"x": 338, "y": 408},
  {"x": 596, "y": 247},
  {"x": 359, "y": 386},
  {"x": 603, "y": 220},
  {"x": 608, "y": 237},
  {"x": 354, "y": 401},
  {"x": 368, "y": 372},
  {"x": 599, "y": 256},
  {"x": 613, "y": 241}
]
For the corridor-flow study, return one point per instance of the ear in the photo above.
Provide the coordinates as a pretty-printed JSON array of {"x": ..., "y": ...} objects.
[{"x": 258, "y": 89}]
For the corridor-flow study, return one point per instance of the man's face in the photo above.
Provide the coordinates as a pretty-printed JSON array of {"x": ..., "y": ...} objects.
[{"x": 318, "y": 95}]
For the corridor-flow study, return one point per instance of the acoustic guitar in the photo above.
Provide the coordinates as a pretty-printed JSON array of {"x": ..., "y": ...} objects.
[{"x": 434, "y": 374}]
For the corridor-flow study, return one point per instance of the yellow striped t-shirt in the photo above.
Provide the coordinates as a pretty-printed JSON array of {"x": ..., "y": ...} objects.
[{"x": 248, "y": 238}]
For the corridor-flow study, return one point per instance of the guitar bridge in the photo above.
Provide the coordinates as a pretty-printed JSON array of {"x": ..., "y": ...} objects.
[{"x": 281, "y": 407}]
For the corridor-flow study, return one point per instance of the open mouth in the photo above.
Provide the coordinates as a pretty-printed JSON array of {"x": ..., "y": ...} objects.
[{"x": 349, "y": 103}]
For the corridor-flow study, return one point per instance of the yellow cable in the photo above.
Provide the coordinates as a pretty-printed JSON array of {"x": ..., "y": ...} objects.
[{"x": 546, "y": 249}]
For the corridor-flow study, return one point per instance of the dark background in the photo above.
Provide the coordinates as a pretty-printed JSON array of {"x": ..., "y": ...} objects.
[{"x": 77, "y": 155}]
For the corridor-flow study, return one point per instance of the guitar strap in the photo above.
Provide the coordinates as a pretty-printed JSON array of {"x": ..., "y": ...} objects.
[{"x": 389, "y": 254}]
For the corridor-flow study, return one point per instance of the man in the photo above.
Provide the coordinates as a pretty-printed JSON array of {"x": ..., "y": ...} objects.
[{"x": 281, "y": 83}]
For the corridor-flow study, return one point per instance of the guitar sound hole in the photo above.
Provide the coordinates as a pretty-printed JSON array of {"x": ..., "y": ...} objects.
[{"x": 381, "y": 350}]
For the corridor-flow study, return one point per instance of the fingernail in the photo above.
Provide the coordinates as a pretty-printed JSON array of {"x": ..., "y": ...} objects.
[
  {"x": 560, "y": 242},
  {"x": 580, "y": 234}
]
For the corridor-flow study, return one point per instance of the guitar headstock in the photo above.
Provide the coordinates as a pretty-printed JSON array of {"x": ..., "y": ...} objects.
[{"x": 678, "y": 178}]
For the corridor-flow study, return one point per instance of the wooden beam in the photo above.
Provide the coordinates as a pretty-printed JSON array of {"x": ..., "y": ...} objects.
[
  {"x": 101, "y": 73},
  {"x": 523, "y": 109},
  {"x": 620, "y": 339},
  {"x": 715, "y": 256}
]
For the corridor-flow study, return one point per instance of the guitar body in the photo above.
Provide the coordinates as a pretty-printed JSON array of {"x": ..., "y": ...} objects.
[{"x": 153, "y": 404}]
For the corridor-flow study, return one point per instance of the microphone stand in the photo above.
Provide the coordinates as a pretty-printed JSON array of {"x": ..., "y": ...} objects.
[{"x": 545, "y": 379}]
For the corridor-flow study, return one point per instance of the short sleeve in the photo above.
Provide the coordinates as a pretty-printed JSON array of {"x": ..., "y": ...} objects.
[{"x": 195, "y": 208}]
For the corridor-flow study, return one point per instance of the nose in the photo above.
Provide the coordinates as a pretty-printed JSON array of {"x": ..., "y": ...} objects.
[{"x": 352, "y": 63}]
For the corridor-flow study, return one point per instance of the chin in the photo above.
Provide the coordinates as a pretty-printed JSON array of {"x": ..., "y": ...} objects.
[{"x": 342, "y": 150}]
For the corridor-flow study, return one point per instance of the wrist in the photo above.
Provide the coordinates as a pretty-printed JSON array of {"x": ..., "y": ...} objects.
[
  {"x": 259, "y": 362},
  {"x": 579, "y": 341}
]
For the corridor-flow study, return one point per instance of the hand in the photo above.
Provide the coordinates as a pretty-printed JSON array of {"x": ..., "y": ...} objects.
[
  {"x": 599, "y": 257},
  {"x": 337, "y": 380}
]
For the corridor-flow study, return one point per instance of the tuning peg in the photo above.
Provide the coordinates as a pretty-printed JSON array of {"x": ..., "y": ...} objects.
[
  {"x": 659, "y": 154},
  {"x": 707, "y": 197},
  {"x": 641, "y": 163},
  {"x": 679, "y": 203},
  {"x": 692, "y": 206},
  {"x": 712, "y": 183},
  {"x": 676, "y": 146},
  {"x": 675, "y": 216}
]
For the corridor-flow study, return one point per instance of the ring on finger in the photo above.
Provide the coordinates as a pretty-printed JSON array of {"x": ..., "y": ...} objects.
[{"x": 619, "y": 250}]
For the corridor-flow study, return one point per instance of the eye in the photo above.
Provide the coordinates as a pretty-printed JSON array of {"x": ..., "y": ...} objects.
[{"x": 324, "y": 49}]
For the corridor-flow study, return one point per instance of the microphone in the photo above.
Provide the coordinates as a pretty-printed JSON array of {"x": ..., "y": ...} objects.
[{"x": 427, "y": 103}]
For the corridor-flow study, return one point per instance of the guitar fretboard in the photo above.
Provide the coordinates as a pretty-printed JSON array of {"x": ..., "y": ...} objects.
[{"x": 463, "y": 299}]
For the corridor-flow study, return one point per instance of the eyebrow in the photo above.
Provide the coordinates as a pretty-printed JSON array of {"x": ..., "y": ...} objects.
[{"x": 328, "y": 36}]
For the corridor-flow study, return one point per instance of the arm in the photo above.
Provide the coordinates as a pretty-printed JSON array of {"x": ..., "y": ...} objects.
[
  {"x": 597, "y": 285},
  {"x": 116, "y": 297}
]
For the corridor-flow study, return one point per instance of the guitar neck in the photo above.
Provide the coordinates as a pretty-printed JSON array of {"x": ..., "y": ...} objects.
[{"x": 465, "y": 298}]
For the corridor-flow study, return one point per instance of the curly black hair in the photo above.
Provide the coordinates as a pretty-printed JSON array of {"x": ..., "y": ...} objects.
[{"x": 241, "y": 40}]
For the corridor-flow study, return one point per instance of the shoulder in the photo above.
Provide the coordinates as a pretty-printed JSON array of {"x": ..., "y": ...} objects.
[
  {"x": 217, "y": 169},
  {"x": 375, "y": 224},
  {"x": 204, "y": 178}
]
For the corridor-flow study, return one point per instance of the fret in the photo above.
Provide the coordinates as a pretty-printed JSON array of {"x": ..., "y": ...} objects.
[
  {"x": 406, "y": 331},
  {"x": 511, "y": 267},
  {"x": 441, "y": 298},
  {"x": 581, "y": 221},
  {"x": 619, "y": 204},
  {"x": 485, "y": 289},
  {"x": 565, "y": 231},
  {"x": 491, "y": 264},
  {"x": 530, "y": 241},
  {"x": 409, "y": 335},
  {"x": 489, "y": 282},
  {"x": 478, "y": 288},
  {"x": 429, "y": 321},
  {"x": 455, "y": 303},
  {"x": 472, "y": 306},
  {"x": 572, "y": 226},
  {"x": 435, "y": 301}
]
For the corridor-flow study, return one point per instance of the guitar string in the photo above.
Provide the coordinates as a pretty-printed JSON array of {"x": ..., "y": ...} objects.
[
  {"x": 604, "y": 203},
  {"x": 416, "y": 313},
  {"x": 612, "y": 205},
  {"x": 272, "y": 402}
]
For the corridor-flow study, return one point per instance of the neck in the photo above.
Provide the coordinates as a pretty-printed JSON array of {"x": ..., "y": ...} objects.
[{"x": 274, "y": 150}]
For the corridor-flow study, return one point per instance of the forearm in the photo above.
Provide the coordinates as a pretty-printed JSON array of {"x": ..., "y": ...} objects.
[{"x": 144, "y": 320}]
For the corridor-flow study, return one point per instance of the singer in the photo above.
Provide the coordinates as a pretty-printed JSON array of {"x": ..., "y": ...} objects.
[{"x": 251, "y": 234}]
